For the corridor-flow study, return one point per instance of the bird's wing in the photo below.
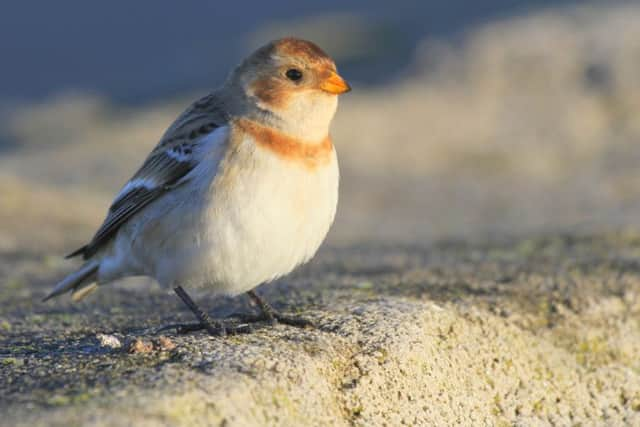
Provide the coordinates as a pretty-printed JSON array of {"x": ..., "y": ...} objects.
[{"x": 166, "y": 167}]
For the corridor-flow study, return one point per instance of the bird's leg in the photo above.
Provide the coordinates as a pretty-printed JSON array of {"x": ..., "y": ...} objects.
[
  {"x": 269, "y": 314},
  {"x": 214, "y": 327}
]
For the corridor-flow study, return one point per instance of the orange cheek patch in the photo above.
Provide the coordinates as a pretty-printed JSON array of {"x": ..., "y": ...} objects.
[
  {"x": 270, "y": 92},
  {"x": 309, "y": 155}
]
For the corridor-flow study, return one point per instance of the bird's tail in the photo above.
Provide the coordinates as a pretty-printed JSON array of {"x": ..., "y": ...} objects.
[{"x": 81, "y": 282}]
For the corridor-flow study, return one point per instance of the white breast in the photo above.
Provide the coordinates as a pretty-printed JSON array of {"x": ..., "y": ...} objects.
[{"x": 256, "y": 220}]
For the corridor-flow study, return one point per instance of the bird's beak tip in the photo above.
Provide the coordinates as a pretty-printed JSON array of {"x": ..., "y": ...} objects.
[{"x": 335, "y": 84}]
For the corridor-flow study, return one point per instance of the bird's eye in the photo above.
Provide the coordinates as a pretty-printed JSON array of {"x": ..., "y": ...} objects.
[{"x": 293, "y": 74}]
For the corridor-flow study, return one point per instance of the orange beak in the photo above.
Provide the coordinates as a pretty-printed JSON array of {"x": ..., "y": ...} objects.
[{"x": 335, "y": 84}]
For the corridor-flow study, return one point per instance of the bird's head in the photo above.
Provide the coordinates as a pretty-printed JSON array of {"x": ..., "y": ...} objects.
[{"x": 296, "y": 82}]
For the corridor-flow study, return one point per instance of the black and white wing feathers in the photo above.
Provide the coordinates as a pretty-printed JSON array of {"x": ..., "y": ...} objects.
[{"x": 166, "y": 167}]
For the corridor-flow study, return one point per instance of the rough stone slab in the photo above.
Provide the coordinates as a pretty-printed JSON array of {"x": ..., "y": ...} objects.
[{"x": 527, "y": 331}]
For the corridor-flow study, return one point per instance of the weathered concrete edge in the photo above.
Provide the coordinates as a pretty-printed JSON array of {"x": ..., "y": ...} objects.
[{"x": 389, "y": 360}]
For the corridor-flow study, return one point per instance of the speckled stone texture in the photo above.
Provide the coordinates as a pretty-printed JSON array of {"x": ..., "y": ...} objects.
[{"x": 529, "y": 331}]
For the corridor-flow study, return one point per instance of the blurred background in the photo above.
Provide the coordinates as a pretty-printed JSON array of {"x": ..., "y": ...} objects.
[{"x": 467, "y": 119}]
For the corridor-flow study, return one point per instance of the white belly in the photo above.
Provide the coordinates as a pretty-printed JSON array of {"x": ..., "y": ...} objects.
[{"x": 255, "y": 221}]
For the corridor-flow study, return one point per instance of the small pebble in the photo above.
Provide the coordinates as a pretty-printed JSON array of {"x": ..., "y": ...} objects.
[
  {"x": 164, "y": 344},
  {"x": 110, "y": 341},
  {"x": 139, "y": 346}
]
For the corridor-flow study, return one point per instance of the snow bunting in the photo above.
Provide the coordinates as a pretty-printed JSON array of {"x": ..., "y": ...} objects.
[{"x": 240, "y": 190}]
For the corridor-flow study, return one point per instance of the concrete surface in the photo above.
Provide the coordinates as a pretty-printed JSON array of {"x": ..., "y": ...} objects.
[{"x": 528, "y": 331}]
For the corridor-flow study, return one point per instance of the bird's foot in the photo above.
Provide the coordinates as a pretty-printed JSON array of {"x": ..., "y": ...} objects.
[
  {"x": 216, "y": 328},
  {"x": 274, "y": 318},
  {"x": 241, "y": 323},
  {"x": 269, "y": 314},
  {"x": 213, "y": 327}
]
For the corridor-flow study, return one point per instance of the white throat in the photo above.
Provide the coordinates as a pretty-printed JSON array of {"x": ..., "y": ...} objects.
[{"x": 307, "y": 117}]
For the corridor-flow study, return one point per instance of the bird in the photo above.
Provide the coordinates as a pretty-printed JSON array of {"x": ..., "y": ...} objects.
[{"x": 240, "y": 190}]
